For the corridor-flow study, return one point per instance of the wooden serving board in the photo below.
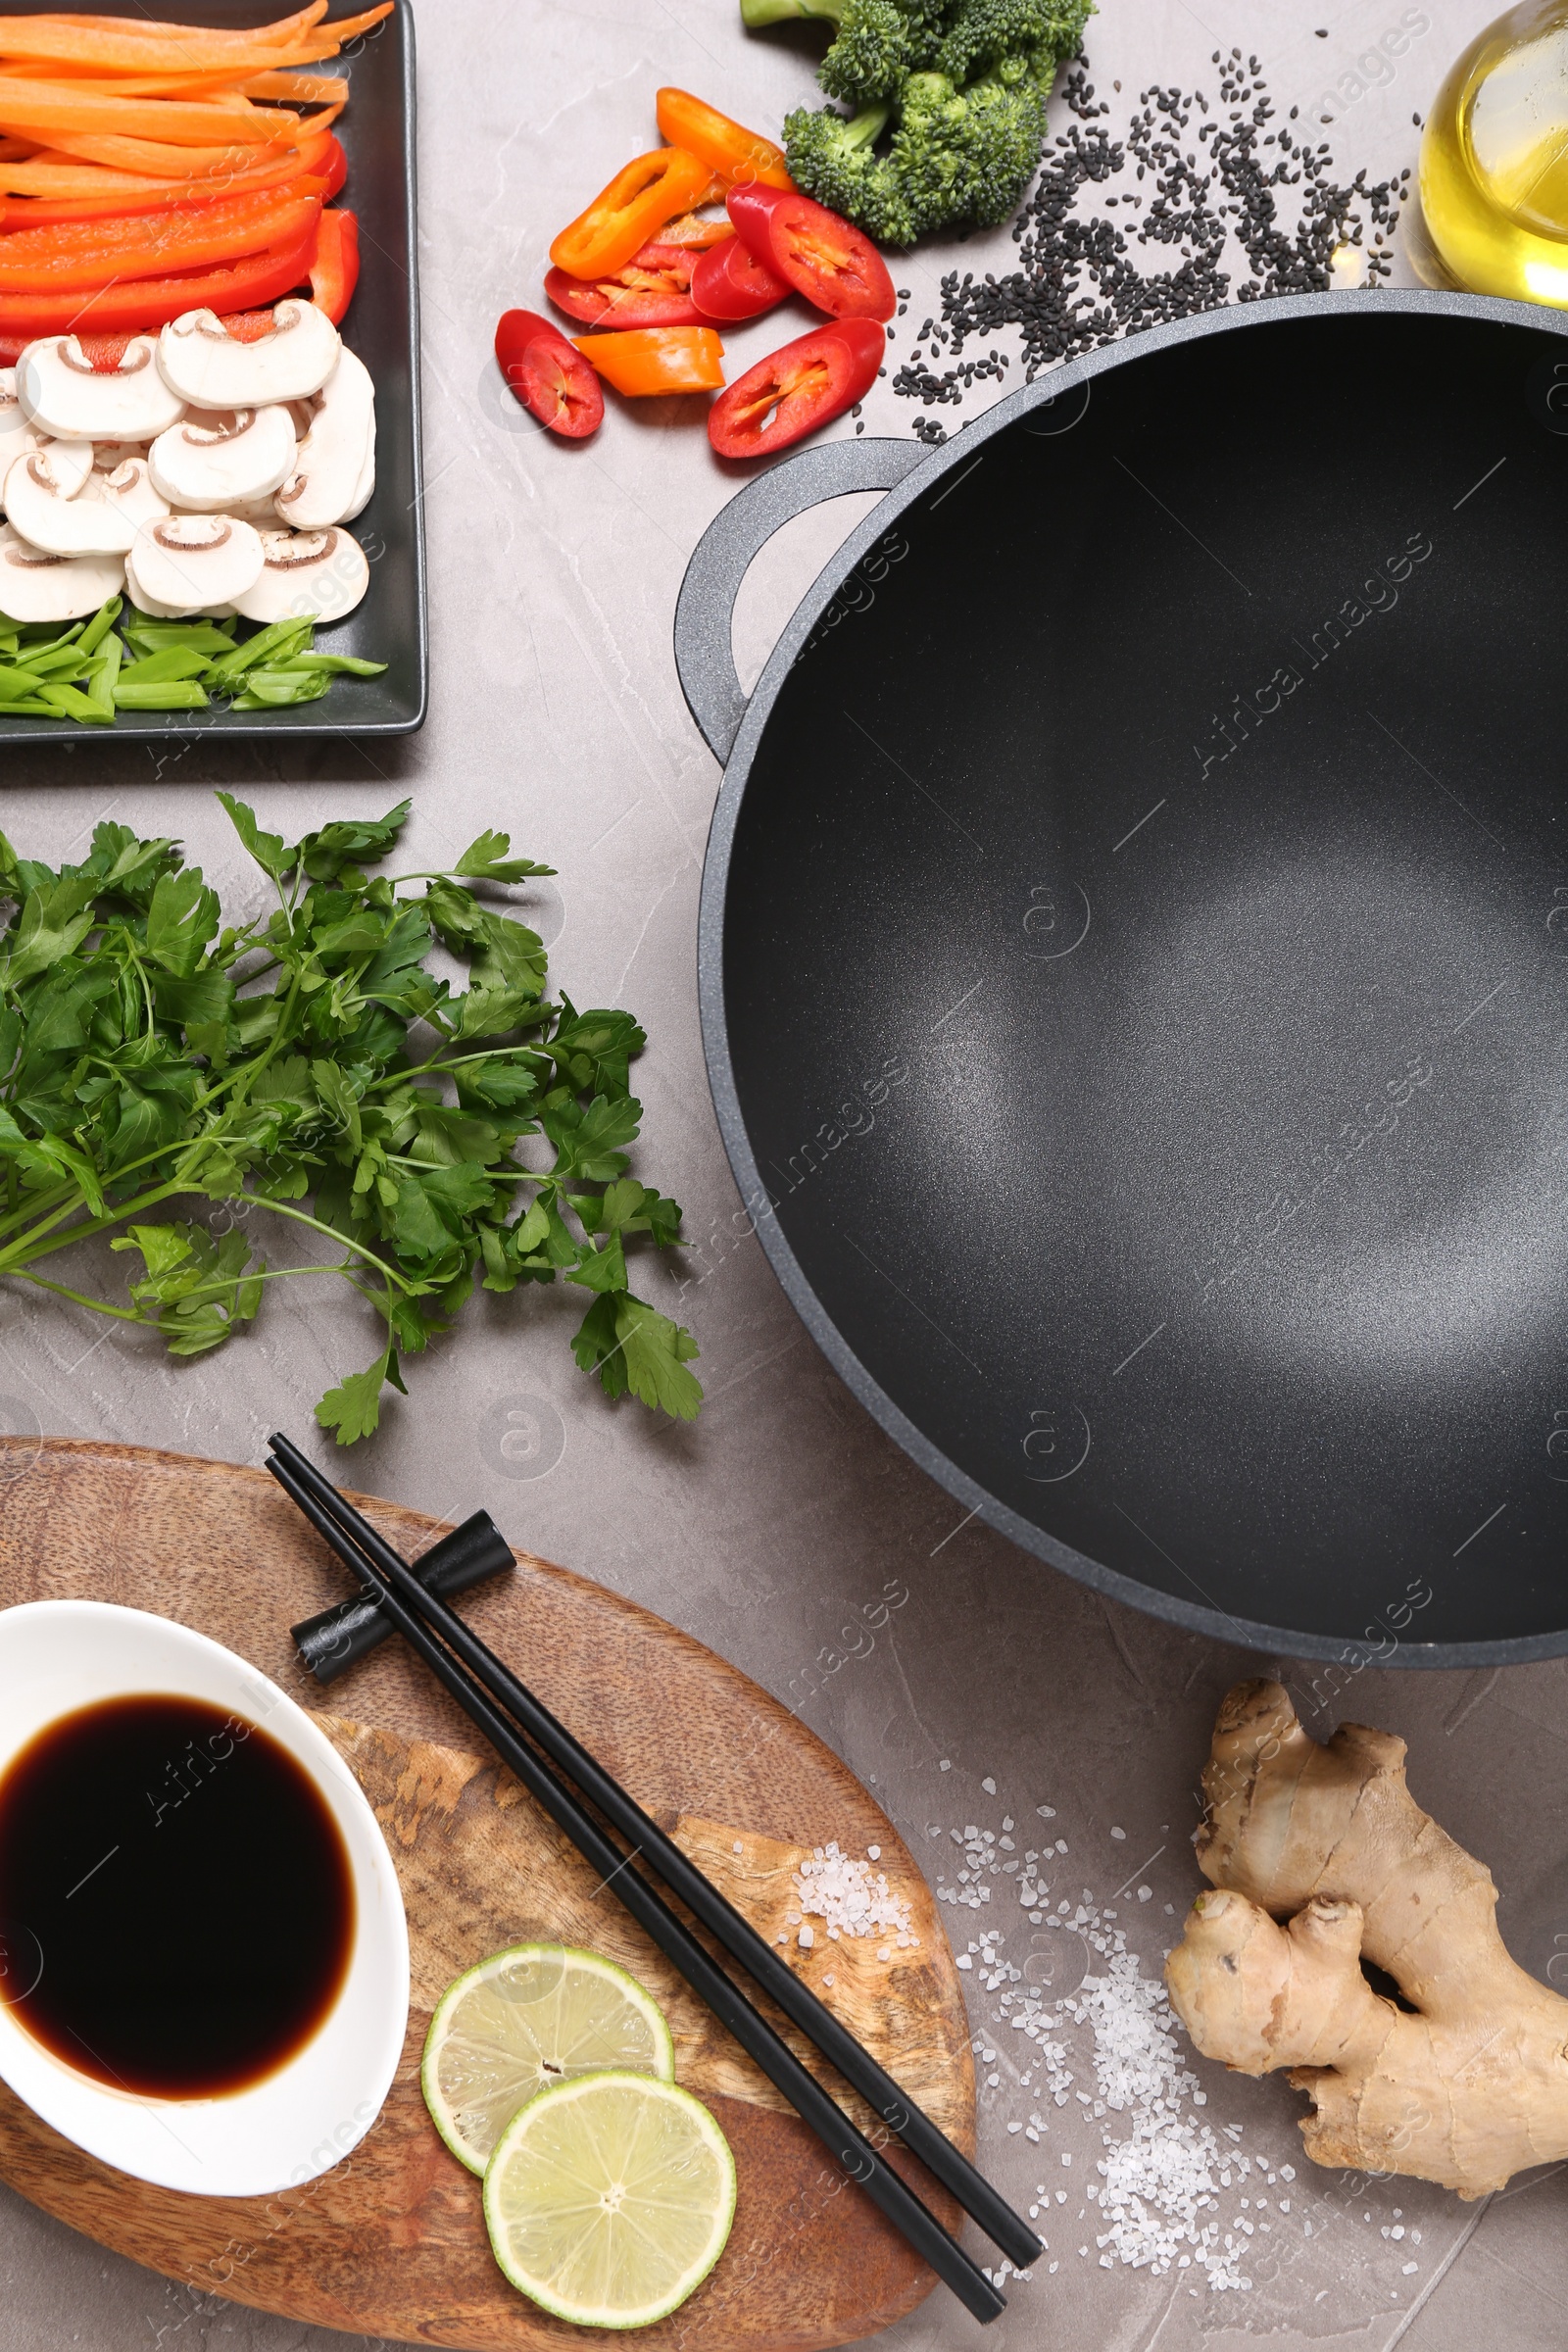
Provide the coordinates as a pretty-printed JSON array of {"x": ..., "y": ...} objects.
[{"x": 391, "y": 2242}]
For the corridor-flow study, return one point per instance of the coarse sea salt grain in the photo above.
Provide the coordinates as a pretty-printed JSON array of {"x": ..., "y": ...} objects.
[
  {"x": 1160, "y": 2178},
  {"x": 851, "y": 1898}
]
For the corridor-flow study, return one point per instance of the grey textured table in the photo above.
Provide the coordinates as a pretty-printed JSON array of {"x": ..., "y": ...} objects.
[{"x": 974, "y": 1684}]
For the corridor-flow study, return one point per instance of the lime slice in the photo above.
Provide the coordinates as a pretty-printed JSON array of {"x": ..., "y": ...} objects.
[
  {"x": 529, "y": 2017},
  {"x": 609, "y": 2199}
]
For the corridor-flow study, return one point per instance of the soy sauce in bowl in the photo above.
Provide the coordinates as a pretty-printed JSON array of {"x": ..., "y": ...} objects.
[{"x": 186, "y": 1891}]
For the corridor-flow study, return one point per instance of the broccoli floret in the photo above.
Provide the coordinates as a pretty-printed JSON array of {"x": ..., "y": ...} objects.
[
  {"x": 983, "y": 36},
  {"x": 966, "y": 155},
  {"x": 832, "y": 160},
  {"x": 877, "y": 43},
  {"x": 960, "y": 87}
]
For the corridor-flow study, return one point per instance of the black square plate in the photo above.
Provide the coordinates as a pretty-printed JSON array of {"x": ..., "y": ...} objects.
[{"x": 376, "y": 128}]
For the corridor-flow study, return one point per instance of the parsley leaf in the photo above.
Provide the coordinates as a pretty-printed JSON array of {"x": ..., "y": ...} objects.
[{"x": 310, "y": 1065}]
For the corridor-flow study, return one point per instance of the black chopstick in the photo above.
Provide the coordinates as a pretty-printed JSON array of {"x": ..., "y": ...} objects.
[
  {"x": 848, "y": 2147},
  {"x": 924, "y": 2138}
]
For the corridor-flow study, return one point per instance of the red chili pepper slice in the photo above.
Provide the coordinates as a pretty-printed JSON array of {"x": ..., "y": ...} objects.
[
  {"x": 640, "y": 295},
  {"x": 829, "y": 261},
  {"x": 793, "y": 391},
  {"x": 336, "y": 270},
  {"x": 549, "y": 375},
  {"x": 730, "y": 282}
]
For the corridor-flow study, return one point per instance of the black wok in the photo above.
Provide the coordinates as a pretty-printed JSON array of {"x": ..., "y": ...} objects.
[{"x": 1134, "y": 964}]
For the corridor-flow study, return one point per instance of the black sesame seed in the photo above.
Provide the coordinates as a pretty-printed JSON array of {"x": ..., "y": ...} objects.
[{"x": 1079, "y": 281}]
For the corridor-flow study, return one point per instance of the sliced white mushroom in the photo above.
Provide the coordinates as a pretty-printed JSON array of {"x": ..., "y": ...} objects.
[
  {"x": 211, "y": 369},
  {"x": 365, "y": 488},
  {"x": 34, "y": 586},
  {"x": 192, "y": 564},
  {"x": 70, "y": 463},
  {"x": 259, "y": 512},
  {"x": 71, "y": 398},
  {"x": 109, "y": 456},
  {"x": 52, "y": 519},
  {"x": 212, "y": 462},
  {"x": 334, "y": 452},
  {"x": 129, "y": 490},
  {"x": 17, "y": 435},
  {"x": 307, "y": 575}
]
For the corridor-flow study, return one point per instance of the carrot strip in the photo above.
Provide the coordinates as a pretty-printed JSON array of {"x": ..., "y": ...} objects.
[
  {"x": 61, "y": 177},
  {"x": 149, "y": 161},
  {"x": 31, "y": 212},
  {"x": 349, "y": 28},
  {"x": 220, "y": 88},
  {"x": 128, "y": 49},
  {"x": 153, "y": 161},
  {"x": 111, "y": 43},
  {"x": 309, "y": 88},
  {"x": 151, "y": 29},
  {"x": 55, "y": 107},
  {"x": 66, "y": 191}
]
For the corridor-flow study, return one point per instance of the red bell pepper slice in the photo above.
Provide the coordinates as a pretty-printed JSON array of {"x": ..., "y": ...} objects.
[
  {"x": 829, "y": 261},
  {"x": 549, "y": 375},
  {"x": 636, "y": 296},
  {"x": 335, "y": 267},
  {"x": 76, "y": 256},
  {"x": 730, "y": 282},
  {"x": 132, "y": 306},
  {"x": 793, "y": 391}
]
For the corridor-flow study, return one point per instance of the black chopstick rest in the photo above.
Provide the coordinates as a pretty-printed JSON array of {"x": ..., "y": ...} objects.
[{"x": 333, "y": 1640}]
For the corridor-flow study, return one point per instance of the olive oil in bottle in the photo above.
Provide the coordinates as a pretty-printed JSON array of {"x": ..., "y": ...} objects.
[{"x": 1494, "y": 160}]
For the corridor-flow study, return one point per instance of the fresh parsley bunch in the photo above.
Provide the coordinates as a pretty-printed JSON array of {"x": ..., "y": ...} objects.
[{"x": 311, "y": 1061}]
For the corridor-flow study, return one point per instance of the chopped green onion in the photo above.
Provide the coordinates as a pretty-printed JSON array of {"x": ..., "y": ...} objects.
[
  {"x": 177, "y": 695},
  {"x": 102, "y": 621},
  {"x": 106, "y": 674},
  {"x": 275, "y": 689},
  {"x": 42, "y": 634},
  {"x": 278, "y": 643},
  {"x": 49, "y": 660},
  {"x": 161, "y": 636},
  {"x": 178, "y": 662},
  {"x": 69, "y": 703},
  {"x": 347, "y": 666},
  {"x": 87, "y": 672}
]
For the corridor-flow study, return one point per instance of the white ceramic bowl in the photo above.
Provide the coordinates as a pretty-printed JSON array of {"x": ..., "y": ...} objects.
[{"x": 59, "y": 1655}]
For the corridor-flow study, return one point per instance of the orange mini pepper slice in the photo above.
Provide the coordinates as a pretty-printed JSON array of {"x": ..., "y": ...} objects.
[
  {"x": 624, "y": 216},
  {"x": 649, "y": 360},
  {"x": 740, "y": 156},
  {"x": 688, "y": 230}
]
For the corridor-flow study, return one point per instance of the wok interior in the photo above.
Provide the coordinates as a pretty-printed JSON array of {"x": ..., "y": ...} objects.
[{"x": 1146, "y": 972}]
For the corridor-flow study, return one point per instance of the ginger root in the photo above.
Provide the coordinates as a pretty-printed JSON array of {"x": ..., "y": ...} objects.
[{"x": 1465, "y": 2086}]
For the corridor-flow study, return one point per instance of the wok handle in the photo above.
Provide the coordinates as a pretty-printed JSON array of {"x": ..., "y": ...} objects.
[{"x": 704, "y": 659}]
